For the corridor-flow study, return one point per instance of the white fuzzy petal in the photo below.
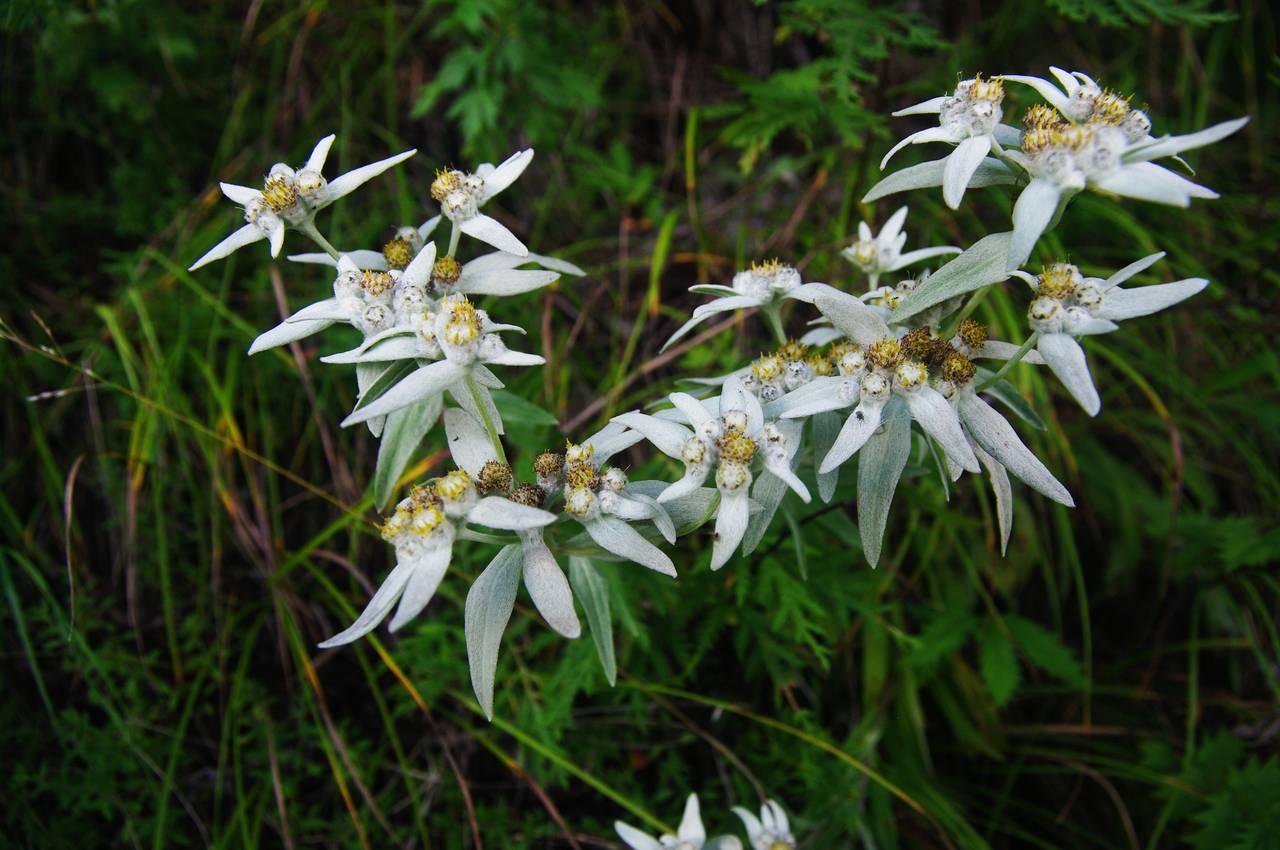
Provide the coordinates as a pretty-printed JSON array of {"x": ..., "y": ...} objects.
[
  {"x": 634, "y": 838},
  {"x": 498, "y": 512},
  {"x": 932, "y": 106},
  {"x": 246, "y": 235},
  {"x": 857, "y": 429},
  {"x": 939, "y": 420},
  {"x": 932, "y": 134},
  {"x": 242, "y": 195},
  {"x": 320, "y": 153},
  {"x": 1136, "y": 267},
  {"x": 287, "y": 332},
  {"x": 691, "y": 828},
  {"x": 1031, "y": 215},
  {"x": 668, "y": 437},
  {"x": 961, "y": 164},
  {"x": 1173, "y": 145},
  {"x": 377, "y": 609},
  {"x": 548, "y": 587},
  {"x": 1044, "y": 88},
  {"x": 349, "y": 182},
  {"x": 490, "y": 231},
  {"x": 1144, "y": 300},
  {"x": 1066, "y": 358},
  {"x": 511, "y": 282},
  {"x": 851, "y": 317},
  {"x": 617, "y": 537},
  {"x": 1147, "y": 181},
  {"x": 418, "y": 272},
  {"x": 506, "y": 173},
  {"x": 428, "y": 570}
]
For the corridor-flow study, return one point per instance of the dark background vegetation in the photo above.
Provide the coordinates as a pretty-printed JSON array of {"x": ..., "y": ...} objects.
[{"x": 179, "y": 525}]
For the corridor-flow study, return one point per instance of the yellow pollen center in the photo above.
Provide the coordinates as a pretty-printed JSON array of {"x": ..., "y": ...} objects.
[
  {"x": 1109, "y": 108},
  {"x": 792, "y": 350},
  {"x": 398, "y": 253},
  {"x": 446, "y": 271},
  {"x": 885, "y": 352},
  {"x": 767, "y": 267},
  {"x": 447, "y": 180},
  {"x": 581, "y": 476},
  {"x": 463, "y": 325},
  {"x": 992, "y": 90},
  {"x": 737, "y": 447},
  {"x": 376, "y": 284},
  {"x": 1057, "y": 281},
  {"x": 280, "y": 193},
  {"x": 767, "y": 368},
  {"x": 454, "y": 486}
]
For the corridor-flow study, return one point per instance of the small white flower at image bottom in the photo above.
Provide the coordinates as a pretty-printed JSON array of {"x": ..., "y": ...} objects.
[
  {"x": 291, "y": 198},
  {"x": 770, "y": 831},
  {"x": 690, "y": 835}
]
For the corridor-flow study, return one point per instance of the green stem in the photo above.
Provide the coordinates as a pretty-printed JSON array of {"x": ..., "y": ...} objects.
[
  {"x": 873, "y": 281},
  {"x": 1012, "y": 361},
  {"x": 771, "y": 316},
  {"x": 486, "y": 418},
  {"x": 455, "y": 235},
  {"x": 309, "y": 228}
]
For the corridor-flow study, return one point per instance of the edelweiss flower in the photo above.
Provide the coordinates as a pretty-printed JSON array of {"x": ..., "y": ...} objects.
[
  {"x": 473, "y": 452},
  {"x": 371, "y": 301},
  {"x": 1068, "y": 305},
  {"x": 290, "y": 198},
  {"x": 876, "y": 254},
  {"x": 730, "y": 441},
  {"x": 461, "y": 195},
  {"x": 423, "y": 529},
  {"x": 691, "y": 835},
  {"x": 969, "y": 119},
  {"x": 461, "y": 341},
  {"x": 1094, "y": 138},
  {"x": 770, "y": 831},
  {"x": 603, "y": 501},
  {"x": 764, "y": 285}
]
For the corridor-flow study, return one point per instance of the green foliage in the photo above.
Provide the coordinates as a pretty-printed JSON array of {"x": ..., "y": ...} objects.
[
  {"x": 823, "y": 101},
  {"x": 178, "y": 528},
  {"x": 1120, "y": 13}
]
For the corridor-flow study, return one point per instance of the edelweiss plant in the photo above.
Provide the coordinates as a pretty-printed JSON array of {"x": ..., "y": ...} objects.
[{"x": 893, "y": 371}]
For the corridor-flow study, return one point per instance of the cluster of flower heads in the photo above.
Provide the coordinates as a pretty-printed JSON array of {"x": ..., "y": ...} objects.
[
  {"x": 897, "y": 371},
  {"x": 770, "y": 831}
]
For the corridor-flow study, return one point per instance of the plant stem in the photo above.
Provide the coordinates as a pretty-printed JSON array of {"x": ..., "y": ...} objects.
[
  {"x": 775, "y": 323},
  {"x": 455, "y": 235},
  {"x": 1012, "y": 361},
  {"x": 309, "y": 228},
  {"x": 486, "y": 418}
]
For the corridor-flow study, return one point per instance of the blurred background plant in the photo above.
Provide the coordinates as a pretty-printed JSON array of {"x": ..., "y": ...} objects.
[{"x": 178, "y": 527}]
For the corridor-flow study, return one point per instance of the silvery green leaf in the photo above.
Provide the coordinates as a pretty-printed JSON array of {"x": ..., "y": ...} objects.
[
  {"x": 731, "y": 525},
  {"x": 488, "y": 609},
  {"x": 768, "y": 490},
  {"x": 592, "y": 590},
  {"x": 880, "y": 465},
  {"x": 692, "y": 510},
  {"x": 1147, "y": 181},
  {"x": 490, "y": 231},
  {"x": 852, "y": 318},
  {"x": 548, "y": 587},
  {"x": 825, "y": 428},
  {"x": 1003, "y": 493},
  {"x": 329, "y": 308},
  {"x": 462, "y": 395},
  {"x": 377, "y": 609},
  {"x": 468, "y": 442},
  {"x": 428, "y": 569},
  {"x": 990, "y": 172},
  {"x": 981, "y": 265},
  {"x": 997, "y": 438},
  {"x": 939, "y": 421},
  {"x": 404, "y": 431},
  {"x": 424, "y": 382},
  {"x": 1008, "y": 395},
  {"x": 367, "y": 376}
]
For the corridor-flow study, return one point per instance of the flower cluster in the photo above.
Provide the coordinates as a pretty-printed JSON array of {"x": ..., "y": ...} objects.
[
  {"x": 899, "y": 370},
  {"x": 770, "y": 831}
]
